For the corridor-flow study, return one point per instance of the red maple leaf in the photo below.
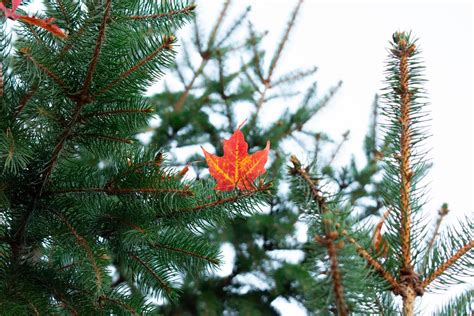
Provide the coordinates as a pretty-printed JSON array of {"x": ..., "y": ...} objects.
[
  {"x": 236, "y": 168},
  {"x": 46, "y": 24}
]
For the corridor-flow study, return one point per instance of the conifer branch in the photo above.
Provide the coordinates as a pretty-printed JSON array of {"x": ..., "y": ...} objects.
[
  {"x": 105, "y": 137},
  {"x": 109, "y": 190},
  {"x": 231, "y": 199},
  {"x": 448, "y": 263},
  {"x": 186, "y": 10},
  {"x": 187, "y": 253},
  {"x": 128, "y": 308},
  {"x": 63, "y": 12},
  {"x": 205, "y": 55},
  {"x": 96, "y": 53},
  {"x": 442, "y": 213},
  {"x": 330, "y": 235},
  {"x": 25, "y": 99},
  {"x": 374, "y": 263},
  {"x": 26, "y": 52},
  {"x": 85, "y": 245},
  {"x": 167, "y": 41},
  {"x": 404, "y": 52},
  {"x": 33, "y": 307},
  {"x": 126, "y": 223},
  {"x": 284, "y": 40},
  {"x": 152, "y": 272},
  {"x": 116, "y": 112}
]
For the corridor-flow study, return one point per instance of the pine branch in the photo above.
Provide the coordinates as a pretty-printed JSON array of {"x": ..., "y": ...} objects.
[
  {"x": 116, "y": 112},
  {"x": 205, "y": 55},
  {"x": 85, "y": 245},
  {"x": 26, "y": 98},
  {"x": 128, "y": 308},
  {"x": 186, "y": 10},
  {"x": 231, "y": 199},
  {"x": 167, "y": 42},
  {"x": 151, "y": 271},
  {"x": 96, "y": 53},
  {"x": 447, "y": 264},
  {"x": 328, "y": 239},
  {"x": 186, "y": 252},
  {"x": 284, "y": 40},
  {"x": 375, "y": 264},
  {"x": 110, "y": 190},
  {"x": 25, "y": 52}
]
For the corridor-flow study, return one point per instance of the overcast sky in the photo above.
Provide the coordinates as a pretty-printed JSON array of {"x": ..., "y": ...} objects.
[{"x": 347, "y": 40}]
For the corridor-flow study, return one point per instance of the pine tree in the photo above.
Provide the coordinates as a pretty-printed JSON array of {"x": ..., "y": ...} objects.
[{"x": 91, "y": 221}]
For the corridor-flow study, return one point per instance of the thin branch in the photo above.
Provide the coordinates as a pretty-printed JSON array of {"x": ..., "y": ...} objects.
[
  {"x": 187, "y": 253},
  {"x": 185, "y": 192},
  {"x": 405, "y": 154},
  {"x": 206, "y": 55},
  {"x": 448, "y": 263},
  {"x": 116, "y": 112},
  {"x": 84, "y": 244},
  {"x": 128, "y": 308},
  {"x": 46, "y": 70},
  {"x": 241, "y": 194},
  {"x": 284, "y": 40},
  {"x": 167, "y": 41},
  {"x": 328, "y": 239},
  {"x": 106, "y": 137},
  {"x": 152, "y": 273},
  {"x": 186, "y": 10},
  {"x": 377, "y": 266},
  {"x": 98, "y": 46},
  {"x": 26, "y": 98}
]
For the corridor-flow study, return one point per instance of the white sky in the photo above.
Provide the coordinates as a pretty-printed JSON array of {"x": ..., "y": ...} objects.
[{"x": 347, "y": 41}]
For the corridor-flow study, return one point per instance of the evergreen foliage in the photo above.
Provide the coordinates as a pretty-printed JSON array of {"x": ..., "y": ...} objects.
[{"x": 91, "y": 222}]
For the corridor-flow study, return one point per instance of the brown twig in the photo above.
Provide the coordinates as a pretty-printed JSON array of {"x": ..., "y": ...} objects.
[
  {"x": 46, "y": 70},
  {"x": 128, "y": 308},
  {"x": 448, "y": 263}
]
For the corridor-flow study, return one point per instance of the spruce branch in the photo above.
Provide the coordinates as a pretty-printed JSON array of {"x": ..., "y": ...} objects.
[
  {"x": 374, "y": 263},
  {"x": 128, "y": 308},
  {"x": 26, "y": 52},
  {"x": 442, "y": 213},
  {"x": 25, "y": 99},
  {"x": 166, "y": 45},
  {"x": 205, "y": 57},
  {"x": 152, "y": 272},
  {"x": 284, "y": 40},
  {"x": 186, "y": 253},
  {"x": 188, "y": 10},
  {"x": 97, "y": 49},
  {"x": 230, "y": 199},
  {"x": 328, "y": 239},
  {"x": 448, "y": 263},
  {"x": 85, "y": 245},
  {"x": 116, "y": 112},
  {"x": 111, "y": 190}
]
